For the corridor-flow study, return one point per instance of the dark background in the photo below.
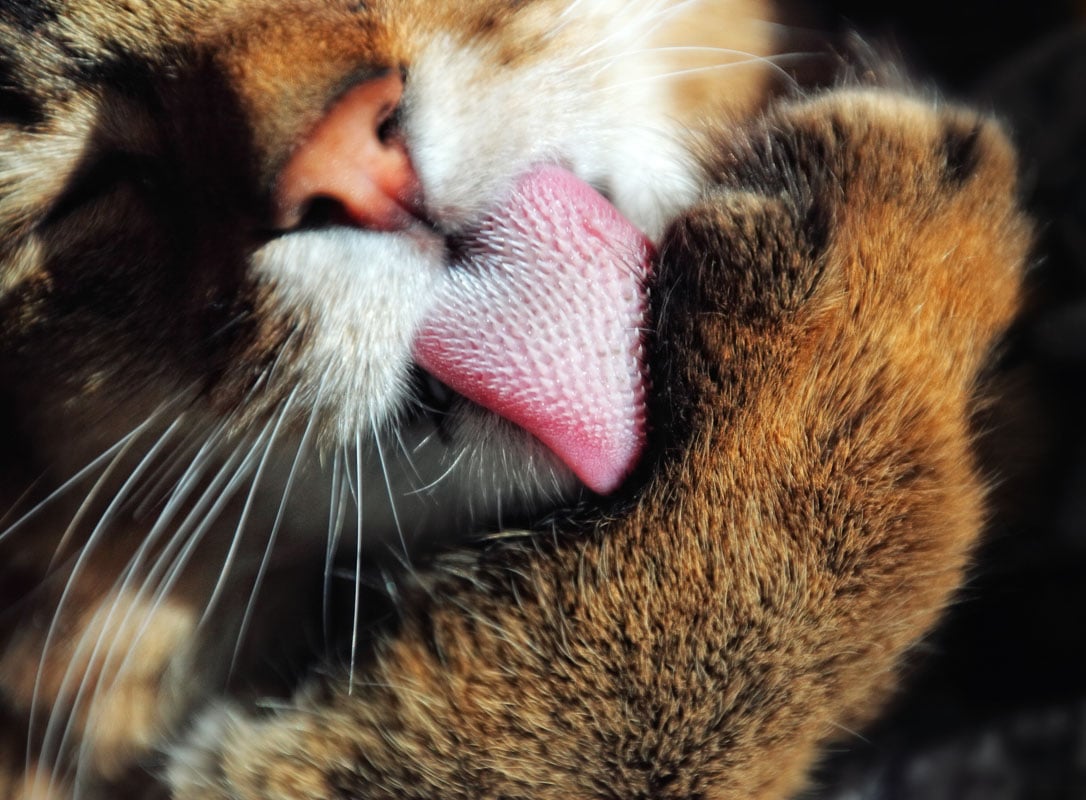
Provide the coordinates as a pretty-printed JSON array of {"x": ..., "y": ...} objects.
[
  {"x": 995, "y": 703},
  {"x": 958, "y": 43}
]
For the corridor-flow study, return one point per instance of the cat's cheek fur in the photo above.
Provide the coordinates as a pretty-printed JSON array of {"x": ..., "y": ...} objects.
[{"x": 468, "y": 148}]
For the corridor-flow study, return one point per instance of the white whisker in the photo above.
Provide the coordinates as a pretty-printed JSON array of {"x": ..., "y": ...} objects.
[
  {"x": 167, "y": 569},
  {"x": 388, "y": 485},
  {"x": 406, "y": 453},
  {"x": 243, "y": 518},
  {"x": 80, "y": 563},
  {"x": 355, "y": 621},
  {"x": 109, "y": 453},
  {"x": 273, "y": 536},
  {"x": 132, "y": 569},
  {"x": 336, "y": 514},
  {"x": 745, "y": 62},
  {"x": 643, "y": 24},
  {"x": 88, "y": 500},
  {"x": 436, "y": 481},
  {"x": 184, "y": 453}
]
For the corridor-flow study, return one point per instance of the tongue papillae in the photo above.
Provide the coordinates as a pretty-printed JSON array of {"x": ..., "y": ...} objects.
[{"x": 542, "y": 322}]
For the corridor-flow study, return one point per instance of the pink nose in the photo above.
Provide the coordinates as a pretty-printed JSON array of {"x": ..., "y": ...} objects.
[{"x": 349, "y": 159}]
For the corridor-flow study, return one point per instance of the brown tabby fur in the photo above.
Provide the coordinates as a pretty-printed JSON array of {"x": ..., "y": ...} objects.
[{"x": 824, "y": 314}]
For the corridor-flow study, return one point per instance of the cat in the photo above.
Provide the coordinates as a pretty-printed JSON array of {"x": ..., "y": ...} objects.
[{"x": 214, "y": 407}]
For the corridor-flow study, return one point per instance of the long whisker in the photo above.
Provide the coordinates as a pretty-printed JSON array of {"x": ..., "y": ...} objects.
[
  {"x": 22, "y": 498},
  {"x": 650, "y": 20},
  {"x": 185, "y": 452},
  {"x": 406, "y": 453},
  {"x": 388, "y": 486},
  {"x": 88, "y": 500},
  {"x": 335, "y": 530},
  {"x": 355, "y": 620},
  {"x": 746, "y": 62},
  {"x": 440, "y": 478},
  {"x": 273, "y": 536},
  {"x": 149, "y": 541},
  {"x": 169, "y": 564},
  {"x": 110, "y": 453},
  {"x": 235, "y": 542},
  {"x": 640, "y": 53},
  {"x": 96, "y": 623}
]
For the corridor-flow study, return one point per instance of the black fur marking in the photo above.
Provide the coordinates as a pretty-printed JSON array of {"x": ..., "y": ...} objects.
[
  {"x": 122, "y": 72},
  {"x": 816, "y": 227},
  {"x": 98, "y": 179},
  {"x": 17, "y": 106},
  {"x": 961, "y": 153},
  {"x": 29, "y": 15}
]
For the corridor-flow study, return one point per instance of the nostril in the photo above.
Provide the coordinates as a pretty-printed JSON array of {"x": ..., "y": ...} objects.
[
  {"x": 355, "y": 158},
  {"x": 389, "y": 127},
  {"x": 322, "y": 212}
]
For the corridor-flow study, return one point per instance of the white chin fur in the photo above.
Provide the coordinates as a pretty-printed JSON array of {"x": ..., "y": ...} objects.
[{"x": 360, "y": 296}]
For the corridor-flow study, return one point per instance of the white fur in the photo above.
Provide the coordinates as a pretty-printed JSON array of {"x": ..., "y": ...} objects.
[
  {"x": 474, "y": 126},
  {"x": 361, "y": 295}
]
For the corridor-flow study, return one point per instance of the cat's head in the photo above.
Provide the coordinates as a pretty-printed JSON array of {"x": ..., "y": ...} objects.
[{"x": 176, "y": 235}]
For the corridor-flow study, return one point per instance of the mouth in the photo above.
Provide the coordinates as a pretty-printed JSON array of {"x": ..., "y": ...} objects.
[
  {"x": 537, "y": 314},
  {"x": 541, "y": 321},
  {"x": 432, "y": 400}
]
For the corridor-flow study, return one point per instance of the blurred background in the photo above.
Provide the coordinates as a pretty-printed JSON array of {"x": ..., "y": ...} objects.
[{"x": 995, "y": 703}]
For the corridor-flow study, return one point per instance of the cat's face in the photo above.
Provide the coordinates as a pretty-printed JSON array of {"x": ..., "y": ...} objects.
[{"x": 159, "y": 255}]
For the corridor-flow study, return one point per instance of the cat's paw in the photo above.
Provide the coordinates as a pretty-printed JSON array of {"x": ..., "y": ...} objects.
[
  {"x": 896, "y": 213},
  {"x": 857, "y": 254},
  {"x": 96, "y": 689}
]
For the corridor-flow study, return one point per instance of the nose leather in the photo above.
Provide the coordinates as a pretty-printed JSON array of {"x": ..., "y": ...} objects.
[{"x": 345, "y": 158}]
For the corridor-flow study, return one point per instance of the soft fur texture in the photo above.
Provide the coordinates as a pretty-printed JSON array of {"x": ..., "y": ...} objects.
[{"x": 199, "y": 408}]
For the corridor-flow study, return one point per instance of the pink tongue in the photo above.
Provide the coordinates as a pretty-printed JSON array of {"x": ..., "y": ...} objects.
[{"x": 542, "y": 324}]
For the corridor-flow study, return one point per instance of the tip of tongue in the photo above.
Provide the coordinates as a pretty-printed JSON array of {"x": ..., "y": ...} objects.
[
  {"x": 600, "y": 455},
  {"x": 542, "y": 322}
]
